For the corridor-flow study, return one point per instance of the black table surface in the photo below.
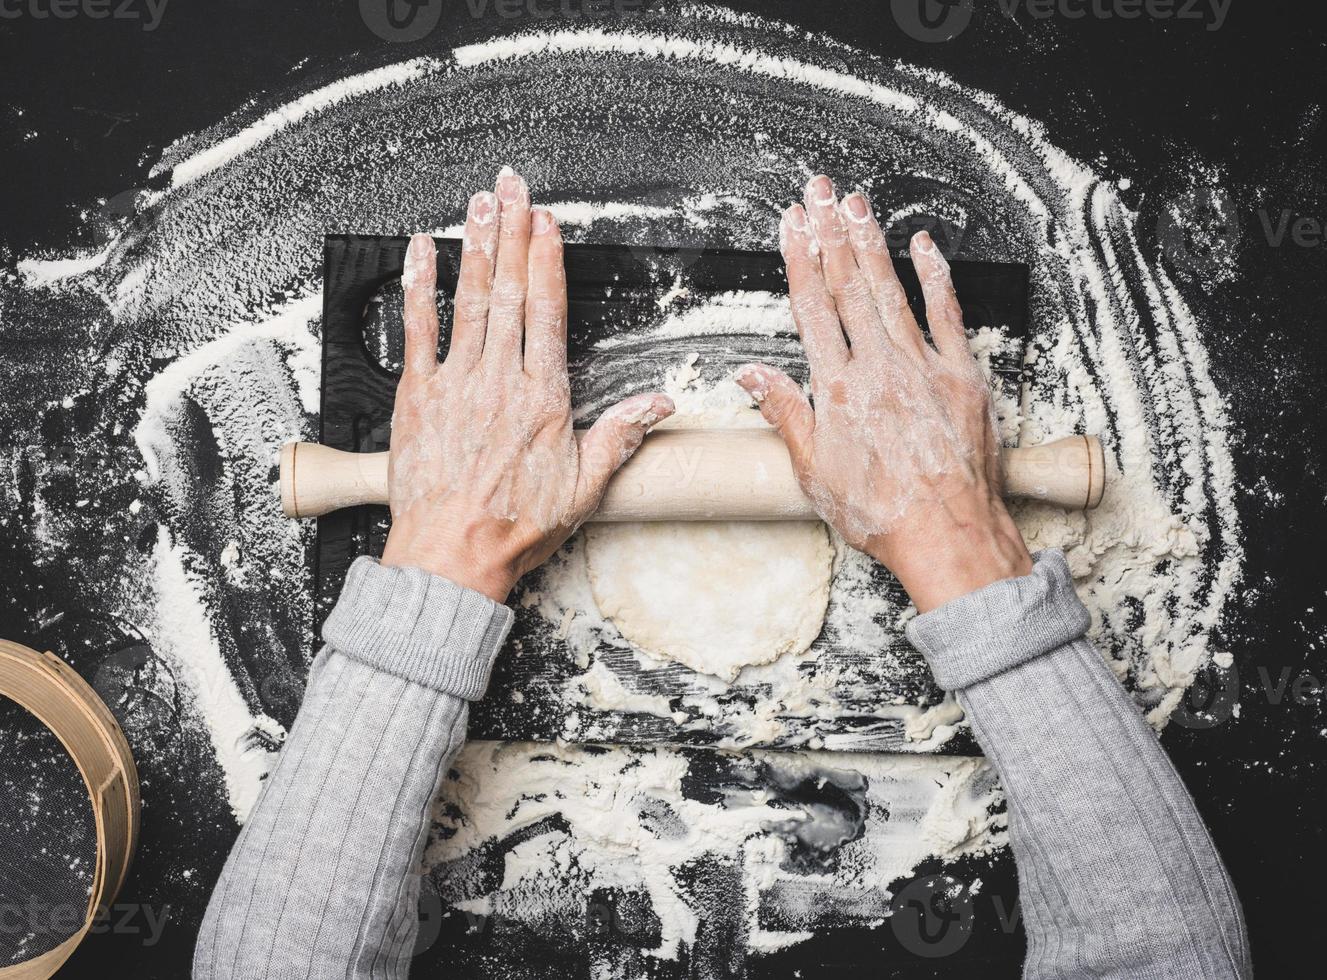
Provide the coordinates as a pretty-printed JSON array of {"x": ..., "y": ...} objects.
[{"x": 1140, "y": 97}]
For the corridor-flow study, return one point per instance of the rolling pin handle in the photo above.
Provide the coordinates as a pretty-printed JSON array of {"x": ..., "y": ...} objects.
[
  {"x": 289, "y": 507},
  {"x": 316, "y": 480},
  {"x": 1069, "y": 472}
]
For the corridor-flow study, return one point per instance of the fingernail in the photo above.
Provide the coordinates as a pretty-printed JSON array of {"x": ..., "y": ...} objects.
[
  {"x": 509, "y": 186},
  {"x": 856, "y": 206},
  {"x": 482, "y": 206},
  {"x": 644, "y": 410},
  {"x": 795, "y": 216},
  {"x": 421, "y": 246},
  {"x": 923, "y": 243},
  {"x": 541, "y": 221},
  {"x": 419, "y": 255},
  {"x": 821, "y": 189},
  {"x": 663, "y": 407},
  {"x": 754, "y": 380}
]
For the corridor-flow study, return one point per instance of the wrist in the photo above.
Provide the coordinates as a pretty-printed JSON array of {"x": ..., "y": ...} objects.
[
  {"x": 460, "y": 562},
  {"x": 936, "y": 569}
]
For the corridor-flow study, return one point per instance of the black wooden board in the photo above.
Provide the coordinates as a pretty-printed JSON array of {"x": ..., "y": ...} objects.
[{"x": 614, "y": 292}]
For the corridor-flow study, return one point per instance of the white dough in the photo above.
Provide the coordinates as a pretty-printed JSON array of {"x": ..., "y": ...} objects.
[{"x": 716, "y": 596}]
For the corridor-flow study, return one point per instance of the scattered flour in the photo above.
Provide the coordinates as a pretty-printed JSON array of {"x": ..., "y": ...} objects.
[
  {"x": 620, "y": 818},
  {"x": 227, "y": 150},
  {"x": 204, "y": 306},
  {"x": 185, "y": 635},
  {"x": 601, "y": 687}
]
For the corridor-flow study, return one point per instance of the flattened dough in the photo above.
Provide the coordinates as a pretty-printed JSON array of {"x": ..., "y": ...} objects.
[{"x": 716, "y": 596}]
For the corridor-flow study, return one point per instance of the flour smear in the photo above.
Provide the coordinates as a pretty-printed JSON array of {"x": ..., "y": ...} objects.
[{"x": 181, "y": 352}]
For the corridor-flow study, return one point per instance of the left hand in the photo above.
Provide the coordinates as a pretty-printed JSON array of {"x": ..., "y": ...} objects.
[{"x": 486, "y": 478}]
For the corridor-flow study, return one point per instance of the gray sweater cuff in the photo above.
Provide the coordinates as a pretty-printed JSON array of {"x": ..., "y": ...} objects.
[
  {"x": 419, "y": 627},
  {"x": 987, "y": 632}
]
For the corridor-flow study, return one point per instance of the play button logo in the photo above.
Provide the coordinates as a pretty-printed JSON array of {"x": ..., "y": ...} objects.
[
  {"x": 401, "y": 21},
  {"x": 932, "y": 916},
  {"x": 932, "y": 21}
]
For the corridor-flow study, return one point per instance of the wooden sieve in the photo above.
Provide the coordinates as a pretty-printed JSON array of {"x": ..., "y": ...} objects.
[{"x": 49, "y": 689}]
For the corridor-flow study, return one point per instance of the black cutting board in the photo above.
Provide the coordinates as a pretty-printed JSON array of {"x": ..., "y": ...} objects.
[{"x": 615, "y": 292}]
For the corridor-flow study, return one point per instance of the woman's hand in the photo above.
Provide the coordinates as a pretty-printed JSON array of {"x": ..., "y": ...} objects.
[
  {"x": 486, "y": 477},
  {"x": 900, "y": 453}
]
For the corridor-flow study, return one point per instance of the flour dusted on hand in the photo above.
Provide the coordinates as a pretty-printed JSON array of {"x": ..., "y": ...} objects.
[{"x": 716, "y": 596}]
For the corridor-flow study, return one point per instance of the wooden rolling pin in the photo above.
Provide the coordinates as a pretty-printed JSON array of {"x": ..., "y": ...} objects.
[{"x": 694, "y": 475}]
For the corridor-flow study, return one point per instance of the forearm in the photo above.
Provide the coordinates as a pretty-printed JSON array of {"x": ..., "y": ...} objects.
[
  {"x": 323, "y": 880},
  {"x": 1118, "y": 875}
]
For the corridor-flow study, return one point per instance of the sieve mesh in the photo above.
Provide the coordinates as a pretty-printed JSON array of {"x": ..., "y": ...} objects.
[{"x": 48, "y": 839}]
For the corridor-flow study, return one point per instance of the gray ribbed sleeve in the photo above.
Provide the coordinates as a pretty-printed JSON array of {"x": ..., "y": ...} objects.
[
  {"x": 1118, "y": 876},
  {"x": 323, "y": 880}
]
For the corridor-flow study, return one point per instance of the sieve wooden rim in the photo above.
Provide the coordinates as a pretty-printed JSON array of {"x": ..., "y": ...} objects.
[{"x": 48, "y": 688}]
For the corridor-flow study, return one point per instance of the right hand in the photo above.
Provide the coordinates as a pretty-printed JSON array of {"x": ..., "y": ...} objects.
[{"x": 900, "y": 453}]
